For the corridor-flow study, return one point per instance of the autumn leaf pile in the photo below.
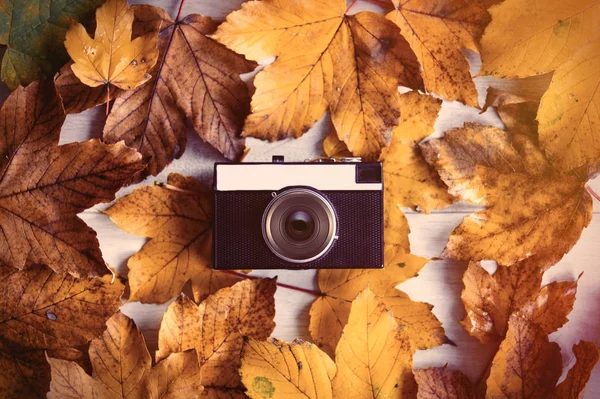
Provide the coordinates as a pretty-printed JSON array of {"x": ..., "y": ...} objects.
[{"x": 62, "y": 334}]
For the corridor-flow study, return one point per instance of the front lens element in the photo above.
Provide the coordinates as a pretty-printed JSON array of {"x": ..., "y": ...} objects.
[{"x": 299, "y": 225}]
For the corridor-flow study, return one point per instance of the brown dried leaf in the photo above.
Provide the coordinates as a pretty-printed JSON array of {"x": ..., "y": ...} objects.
[
  {"x": 527, "y": 365},
  {"x": 195, "y": 81},
  {"x": 216, "y": 329},
  {"x": 532, "y": 209},
  {"x": 38, "y": 215},
  {"x": 326, "y": 59},
  {"x": 178, "y": 219},
  {"x": 573, "y": 387},
  {"x": 40, "y": 309},
  {"x": 491, "y": 300},
  {"x": 442, "y": 382},
  {"x": 122, "y": 369}
]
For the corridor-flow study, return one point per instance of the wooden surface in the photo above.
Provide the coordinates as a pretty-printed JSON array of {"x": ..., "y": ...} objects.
[{"x": 439, "y": 283}]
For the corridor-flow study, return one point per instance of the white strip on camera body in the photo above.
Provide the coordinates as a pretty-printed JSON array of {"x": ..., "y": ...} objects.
[{"x": 321, "y": 176}]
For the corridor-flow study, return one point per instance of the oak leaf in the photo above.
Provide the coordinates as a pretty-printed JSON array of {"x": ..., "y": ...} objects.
[
  {"x": 44, "y": 311},
  {"x": 177, "y": 218},
  {"x": 490, "y": 300},
  {"x": 442, "y": 382},
  {"x": 437, "y": 33},
  {"x": 306, "y": 370},
  {"x": 33, "y": 32},
  {"x": 111, "y": 57},
  {"x": 524, "y": 195},
  {"x": 326, "y": 59},
  {"x": 527, "y": 365},
  {"x": 123, "y": 369},
  {"x": 539, "y": 42},
  {"x": 568, "y": 114},
  {"x": 374, "y": 354},
  {"x": 216, "y": 329},
  {"x": 38, "y": 215},
  {"x": 573, "y": 386},
  {"x": 373, "y": 359}
]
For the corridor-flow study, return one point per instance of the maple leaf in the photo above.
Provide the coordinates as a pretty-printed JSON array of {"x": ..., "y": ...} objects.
[
  {"x": 111, "y": 58},
  {"x": 409, "y": 180},
  {"x": 437, "y": 33},
  {"x": 33, "y": 32},
  {"x": 217, "y": 329},
  {"x": 177, "y": 217},
  {"x": 568, "y": 113},
  {"x": 195, "y": 81},
  {"x": 527, "y": 365},
  {"x": 491, "y": 299},
  {"x": 44, "y": 311},
  {"x": 442, "y": 382},
  {"x": 373, "y": 359},
  {"x": 326, "y": 59},
  {"x": 539, "y": 41},
  {"x": 524, "y": 196},
  {"x": 38, "y": 215},
  {"x": 123, "y": 369}
]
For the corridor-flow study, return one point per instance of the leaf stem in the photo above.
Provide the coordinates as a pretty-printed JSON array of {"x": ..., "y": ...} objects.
[
  {"x": 351, "y": 5},
  {"x": 180, "y": 10},
  {"x": 107, "y": 97},
  {"x": 290, "y": 287},
  {"x": 592, "y": 192},
  {"x": 172, "y": 187}
]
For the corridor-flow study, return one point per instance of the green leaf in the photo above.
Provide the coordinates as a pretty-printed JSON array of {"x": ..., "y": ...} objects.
[{"x": 34, "y": 32}]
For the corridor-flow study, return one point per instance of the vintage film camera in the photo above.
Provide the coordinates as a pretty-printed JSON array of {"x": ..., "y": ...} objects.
[{"x": 323, "y": 214}]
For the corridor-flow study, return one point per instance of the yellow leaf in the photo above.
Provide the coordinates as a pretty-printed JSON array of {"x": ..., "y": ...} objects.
[
  {"x": 409, "y": 180},
  {"x": 374, "y": 355},
  {"x": 543, "y": 35},
  {"x": 216, "y": 329},
  {"x": 111, "y": 57},
  {"x": 532, "y": 210},
  {"x": 527, "y": 365},
  {"x": 326, "y": 59},
  {"x": 437, "y": 33},
  {"x": 442, "y": 382},
  {"x": 573, "y": 387},
  {"x": 122, "y": 369},
  {"x": 569, "y": 114},
  {"x": 329, "y": 313},
  {"x": 178, "y": 219},
  {"x": 275, "y": 369},
  {"x": 333, "y": 147}
]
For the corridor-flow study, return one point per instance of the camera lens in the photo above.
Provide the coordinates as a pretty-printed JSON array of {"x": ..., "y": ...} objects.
[{"x": 299, "y": 225}]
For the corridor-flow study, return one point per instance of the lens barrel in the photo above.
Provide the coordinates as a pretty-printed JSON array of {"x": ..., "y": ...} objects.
[{"x": 299, "y": 225}]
